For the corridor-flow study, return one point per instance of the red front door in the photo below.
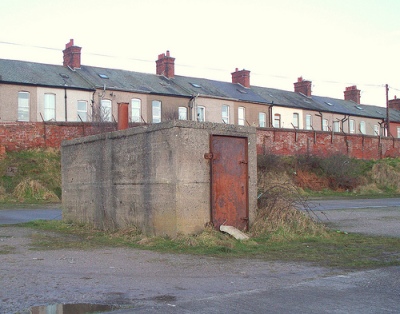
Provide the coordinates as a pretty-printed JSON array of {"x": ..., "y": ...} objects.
[{"x": 229, "y": 181}]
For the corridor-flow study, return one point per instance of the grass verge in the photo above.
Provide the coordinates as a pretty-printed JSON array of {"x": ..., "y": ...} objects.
[{"x": 334, "y": 249}]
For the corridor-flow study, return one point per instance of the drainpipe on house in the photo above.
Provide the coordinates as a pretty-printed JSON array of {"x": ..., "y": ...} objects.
[
  {"x": 193, "y": 114},
  {"x": 270, "y": 115},
  {"x": 65, "y": 103}
]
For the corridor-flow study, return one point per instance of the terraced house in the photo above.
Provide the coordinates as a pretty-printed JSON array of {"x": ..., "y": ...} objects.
[{"x": 75, "y": 93}]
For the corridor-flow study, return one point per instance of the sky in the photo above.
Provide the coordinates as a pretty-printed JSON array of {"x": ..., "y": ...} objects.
[{"x": 333, "y": 43}]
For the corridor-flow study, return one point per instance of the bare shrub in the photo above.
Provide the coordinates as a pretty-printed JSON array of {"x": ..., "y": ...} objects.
[
  {"x": 283, "y": 212},
  {"x": 170, "y": 114}
]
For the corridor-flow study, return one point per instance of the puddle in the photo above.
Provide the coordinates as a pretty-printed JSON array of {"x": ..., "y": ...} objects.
[{"x": 79, "y": 308}]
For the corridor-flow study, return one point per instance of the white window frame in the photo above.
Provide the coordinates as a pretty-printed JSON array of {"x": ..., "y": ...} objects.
[
  {"x": 352, "y": 128},
  {"x": 241, "y": 115},
  {"x": 398, "y": 132},
  {"x": 49, "y": 107},
  {"x": 136, "y": 110},
  {"x": 325, "y": 125},
  {"x": 201, "y": 113},
  {"x": 363, "y": 129},
  {"x": 376, "y": 130},
  {"x": 23, "y": 106},
  {"x": 156, "y": 109},
  {"x": 277, "y": 120},
  {"x": 225, "y": 114},
  {"x": 262, "y": 120},
  {"x": 106, "y": 110},
  {"x": 296, "y": 119},
  {"x": 309, "y": 122},
  {"x": 182, "y": 113},
  {"x": 336, "y": 126},
  {"x": 81, "y": 112}
]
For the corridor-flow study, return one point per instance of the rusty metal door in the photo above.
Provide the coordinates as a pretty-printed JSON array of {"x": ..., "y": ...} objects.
[{"x": 229, "y": 181}]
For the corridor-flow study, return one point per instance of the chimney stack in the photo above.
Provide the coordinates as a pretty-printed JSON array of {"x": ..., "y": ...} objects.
[
  {"x": 241, "y": 77},
  {"x": 72, "y": 55},
  {"x": 165, "y": 65},
  {"x": 394, "y": 103},
  {"x": 353, "y": 94},
  {"x": 303, "y": 87}
]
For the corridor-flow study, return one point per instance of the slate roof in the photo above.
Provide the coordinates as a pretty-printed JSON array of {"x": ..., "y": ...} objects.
[
  {"x": 39, "y": 74},
  {"x": 90, "y": 78},
  {"x": 218, "y": 89},
  {"x": 131, "y": 81}
]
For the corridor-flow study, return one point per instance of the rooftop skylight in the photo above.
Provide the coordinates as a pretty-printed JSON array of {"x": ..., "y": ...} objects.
[
  {"x": 328, "y": 103},
  {"x": 359, "y": 108},
  {"x": 242, "y": 91},
  {"x": 195, "y": 85},
  {"x": 103, "y": 76}
]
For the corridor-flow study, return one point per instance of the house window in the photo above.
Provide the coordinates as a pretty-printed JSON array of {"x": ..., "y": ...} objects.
[
  {"x": 376, "y": 129},
  {"x": 308, "y": 122},
  {"x": 241, "y": 116},
  {"x": 136, "y": 115},
  {"x": 277, "y": 120},
  {"x": 262, "y": 120},
  {"x": 398, "y": 132},
  {"x": 336, "y": 126},
  {"x": 49, "y": 107},
  {"x": 225, "y": 114},
  {"x": 295, "y": 120},
  {"x": 105, "y": 111},
  {"x": 201, "y": 113},
  {"x": 23, "y": 106},
  {"x": 362, "y": 127},
  {"x": 156, "y": 111},
  {"x": 352, "y": 126},
  {"x": 325, "y": 125},
  {"x": 82, "y": 110},
  {"x": 182, "y": 111}
]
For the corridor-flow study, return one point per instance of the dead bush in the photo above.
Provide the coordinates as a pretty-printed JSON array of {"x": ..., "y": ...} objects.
[
  {"x": 29, "y": 189},
  {"x": 283, "y": 212}
]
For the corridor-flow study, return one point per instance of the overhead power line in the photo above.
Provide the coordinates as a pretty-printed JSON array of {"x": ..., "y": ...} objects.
[{"x": 195, "y": 67}]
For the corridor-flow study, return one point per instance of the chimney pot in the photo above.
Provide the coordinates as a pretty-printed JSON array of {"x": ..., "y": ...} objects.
[
  {"x": 353, "y": 94},
  {"x": 165, "y": 65},
  {"x": 241, "y": 77},
  {"x": 303, "y": 86},
  {"x": 394, "y": 103},
  {"x": 72, "y": 55}
]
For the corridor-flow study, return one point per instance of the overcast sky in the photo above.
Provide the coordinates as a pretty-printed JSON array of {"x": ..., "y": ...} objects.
[{"x": 333, "y": 43}]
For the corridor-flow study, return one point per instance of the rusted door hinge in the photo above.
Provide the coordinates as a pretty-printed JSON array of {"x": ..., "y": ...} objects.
[{"x": 208, "y": 155}]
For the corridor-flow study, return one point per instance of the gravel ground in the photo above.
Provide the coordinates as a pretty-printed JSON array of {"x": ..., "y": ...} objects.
[{"x": 150, "y": 282}]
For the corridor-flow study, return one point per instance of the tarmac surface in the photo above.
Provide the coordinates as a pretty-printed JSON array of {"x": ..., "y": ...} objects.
[{"x": 151, "y": 282}]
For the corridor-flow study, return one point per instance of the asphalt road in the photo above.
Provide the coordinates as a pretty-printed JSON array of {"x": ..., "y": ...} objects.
[{"x": 14, "y": 216}]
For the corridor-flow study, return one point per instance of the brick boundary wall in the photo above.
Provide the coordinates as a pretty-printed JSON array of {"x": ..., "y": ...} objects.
[
  {"x": 16, "y": 136},
  {"x": 318, "y": 143}
]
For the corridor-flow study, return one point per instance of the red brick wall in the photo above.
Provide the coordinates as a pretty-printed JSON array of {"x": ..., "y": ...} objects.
[
  {"x": 290, "y": 142},
  {"x": 19, "y": 136},
  {"x": 25, "y": 135}
]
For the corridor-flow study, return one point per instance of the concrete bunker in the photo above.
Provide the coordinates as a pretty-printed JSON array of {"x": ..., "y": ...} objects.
[{"x": 162, "y": 178}]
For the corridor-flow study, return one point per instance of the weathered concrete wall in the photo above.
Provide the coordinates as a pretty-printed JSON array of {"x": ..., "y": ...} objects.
[{"x": 152, "y": 177}]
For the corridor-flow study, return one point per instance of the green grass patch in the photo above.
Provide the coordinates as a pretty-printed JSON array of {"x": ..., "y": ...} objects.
[
  {"x": 31, "y": 176},
  {"x": 334, "y": 249}
]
